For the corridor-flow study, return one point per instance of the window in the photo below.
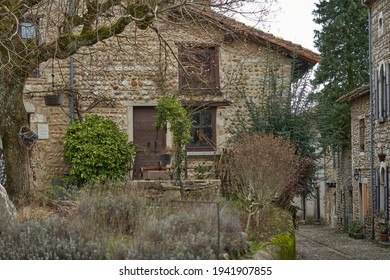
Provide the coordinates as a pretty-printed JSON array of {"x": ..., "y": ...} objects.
[
  {"x": 203, "y": 130},
  {"x": 382, "y": 92},
  {"x": 335, "y": 159},
  {"x": 380, "y": 24},
  {"x": 361, "y": 135},
  {"x": 198, "y": 69},
  {"x": 382, "y": 192},
  {"x": 28, "y": 32}
]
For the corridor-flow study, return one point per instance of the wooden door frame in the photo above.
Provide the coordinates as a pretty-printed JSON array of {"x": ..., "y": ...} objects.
[{"x": 130, "y": 123}]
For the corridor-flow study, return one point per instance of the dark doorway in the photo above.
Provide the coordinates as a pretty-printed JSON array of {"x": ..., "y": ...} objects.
[{"x": 150, "y": 143}]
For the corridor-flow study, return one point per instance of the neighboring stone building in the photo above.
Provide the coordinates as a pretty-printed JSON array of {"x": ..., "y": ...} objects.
[
  {"x": 209, "y": 63},
  {"x": 359, "y": 204},
  {"x": 380, "y": 56},
  {"x": 370, "y": 127}
]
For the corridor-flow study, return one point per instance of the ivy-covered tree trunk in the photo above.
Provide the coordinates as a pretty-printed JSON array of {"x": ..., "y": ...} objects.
[{"x": 12, "y": 118}]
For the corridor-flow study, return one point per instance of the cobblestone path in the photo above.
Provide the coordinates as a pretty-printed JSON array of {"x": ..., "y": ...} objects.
[{"x": 315, "y": 242}]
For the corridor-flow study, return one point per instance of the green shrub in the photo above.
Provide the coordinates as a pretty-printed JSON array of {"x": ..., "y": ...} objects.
[
  {"x": 96, "y": 150},
  {"x": 203, "y": 171},
  {"x": 285, "y": 243}
]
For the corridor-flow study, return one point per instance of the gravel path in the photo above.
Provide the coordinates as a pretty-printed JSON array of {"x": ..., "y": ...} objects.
[{"x": 315, "y": 242}]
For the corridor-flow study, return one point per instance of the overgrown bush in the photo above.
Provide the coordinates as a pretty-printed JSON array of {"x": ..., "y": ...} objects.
[
  {"x": 259, "y": 168},
  {"x": 116, "y": 221},
  {"x": 114, "y": 210},
  {"x": 49, "y": 240},
  {"x": 186, "y": 233},
  {"x": 97, "y": 150}
]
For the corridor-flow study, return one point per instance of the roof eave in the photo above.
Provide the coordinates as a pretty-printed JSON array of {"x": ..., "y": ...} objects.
[{"x": 353, "y": 95}]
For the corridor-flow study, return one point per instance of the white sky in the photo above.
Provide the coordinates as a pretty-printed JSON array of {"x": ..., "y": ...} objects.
[{"x": 295, "y": 23}]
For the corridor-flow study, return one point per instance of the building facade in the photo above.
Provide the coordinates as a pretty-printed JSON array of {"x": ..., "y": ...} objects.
[
  {"x": 370, "y": 127},
  {"x": 212, "y": 65}
]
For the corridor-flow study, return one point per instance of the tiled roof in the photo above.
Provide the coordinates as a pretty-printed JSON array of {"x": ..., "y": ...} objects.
[
  {"x": 351, "y": 96},
  {"x": 262, "y": 37}
]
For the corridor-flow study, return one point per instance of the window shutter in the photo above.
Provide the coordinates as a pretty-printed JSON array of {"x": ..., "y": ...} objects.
[
  {"x": 377, "y": 189},
  {"x": 387, "y": 94},
  {"x": 376, "y": 94},
  {"x": 386, "y": 193},
  {"x": 215, "y": 61}
]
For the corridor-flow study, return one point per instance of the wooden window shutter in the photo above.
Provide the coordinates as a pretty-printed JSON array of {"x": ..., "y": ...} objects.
[
  {"x": 387, "y": 94},
  {"x": 184, "y": 61},
  {"x": 386, "y": 193},
  {"x": 376, "y": 94},
  {"x": 381, "y": 91},
  {"x": 215, "y": 64},
  {"x": 377, "y": 189}
]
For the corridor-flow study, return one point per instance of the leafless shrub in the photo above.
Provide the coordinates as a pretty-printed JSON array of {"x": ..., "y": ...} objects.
[{"x": 258, "y": 169}]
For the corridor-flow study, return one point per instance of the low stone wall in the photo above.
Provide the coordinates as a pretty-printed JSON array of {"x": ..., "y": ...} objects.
[{"x": 169, "y": 190}]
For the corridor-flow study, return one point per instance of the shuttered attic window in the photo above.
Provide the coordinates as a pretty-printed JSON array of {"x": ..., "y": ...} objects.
[{"x": 199, "y": 69}]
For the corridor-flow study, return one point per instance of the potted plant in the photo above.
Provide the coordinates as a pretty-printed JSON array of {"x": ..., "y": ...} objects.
[
  {"x": 53, "y": 100},
  {"x": 382, "y": 156},
  {"x": 384, "y": 234}
]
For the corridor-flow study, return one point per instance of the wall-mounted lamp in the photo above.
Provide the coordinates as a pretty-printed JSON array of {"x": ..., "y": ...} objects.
[{"x": 356, "y": 174}]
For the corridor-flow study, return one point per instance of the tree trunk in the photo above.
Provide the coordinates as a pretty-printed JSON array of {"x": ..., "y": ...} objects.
[{"x": 12, "y": 118}]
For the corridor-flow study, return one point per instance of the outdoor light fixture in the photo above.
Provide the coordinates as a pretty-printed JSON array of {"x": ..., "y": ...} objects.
[{"x": 356, "y": 174}]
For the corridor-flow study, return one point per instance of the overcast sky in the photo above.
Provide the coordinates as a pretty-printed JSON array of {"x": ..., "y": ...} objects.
[{"x": 295, "y": 23}]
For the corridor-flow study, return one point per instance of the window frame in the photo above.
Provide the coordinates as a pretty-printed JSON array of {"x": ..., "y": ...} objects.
[
  {"x": 188, "y": 50},
  {"x": 382, "y": 92},
  {"x": 213, "y": 119},
  {"x": 34, "y": 21},
  {"x": 362, "y": 132}
]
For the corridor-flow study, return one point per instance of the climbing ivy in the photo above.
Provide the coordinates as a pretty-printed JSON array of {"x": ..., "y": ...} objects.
[{"x": 171, "y": 111}]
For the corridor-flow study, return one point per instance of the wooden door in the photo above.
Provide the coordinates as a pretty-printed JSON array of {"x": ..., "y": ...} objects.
[{"x": 149, "y": 142}]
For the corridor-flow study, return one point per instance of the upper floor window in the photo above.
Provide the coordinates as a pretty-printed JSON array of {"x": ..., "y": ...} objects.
[
  {"x": 199, "y": 69},
  {"x": 382, "y": 92},
  {"x": 28, "y": 32},
  {"x": 380, "y": 25},
  {"x": 362, "y": 129}
]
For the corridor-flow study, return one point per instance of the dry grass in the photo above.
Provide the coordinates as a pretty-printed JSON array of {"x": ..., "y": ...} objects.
[{"x": 116, "y": 222}]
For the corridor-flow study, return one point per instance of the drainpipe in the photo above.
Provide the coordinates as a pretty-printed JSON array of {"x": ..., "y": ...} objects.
[
  {"x": 371, "y": 120},
  {"x": 71, "y": 75}
]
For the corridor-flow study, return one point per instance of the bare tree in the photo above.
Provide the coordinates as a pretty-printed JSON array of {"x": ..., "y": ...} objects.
[
  {"x": 35, "y": 31},
  {"x": 260, "y": 168}
]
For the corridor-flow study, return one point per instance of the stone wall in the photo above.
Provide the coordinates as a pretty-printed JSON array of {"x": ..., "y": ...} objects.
[
  {"x": 360, "y": 111},
  {"x": 167, "y": 191},
  {"x": 330, "y": 178},
  {"x": 380, "y": 19},
  {"x": 136, "y": 70}
]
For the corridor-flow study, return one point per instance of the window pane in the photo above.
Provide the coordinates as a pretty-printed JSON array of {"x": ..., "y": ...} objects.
[
  {"x": 202, "y": 130},
  {"x": 28, "y": 30},
  {"x": 198, "y": 69}
]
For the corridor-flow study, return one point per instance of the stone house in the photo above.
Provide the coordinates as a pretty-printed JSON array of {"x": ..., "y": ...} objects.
[
  {"x": 370, "y": 147},
  {"x": 212, "y": 64},
  {"x": 359, "y": 195},
  {"x": 379, "y": 16}
]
